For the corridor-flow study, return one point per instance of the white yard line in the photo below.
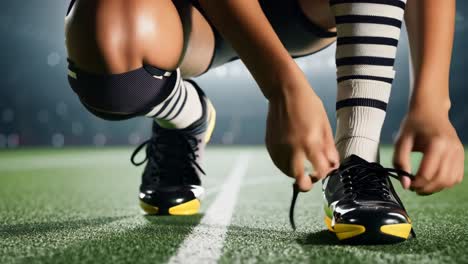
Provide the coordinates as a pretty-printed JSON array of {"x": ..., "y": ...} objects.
[{"x": 205, "y": 243}]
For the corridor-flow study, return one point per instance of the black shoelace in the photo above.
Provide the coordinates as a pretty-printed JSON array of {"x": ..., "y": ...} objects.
[
  {"x": 170, "y": 153},
  {"x": 368, "y": 179},
  {"x": 361, "y": 179}
]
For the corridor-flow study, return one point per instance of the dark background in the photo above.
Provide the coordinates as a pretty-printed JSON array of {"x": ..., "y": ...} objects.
[{"x": 37, "y": 107}]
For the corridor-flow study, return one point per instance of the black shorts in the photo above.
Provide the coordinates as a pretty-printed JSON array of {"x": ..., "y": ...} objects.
[{"x": 295, "y": 30}]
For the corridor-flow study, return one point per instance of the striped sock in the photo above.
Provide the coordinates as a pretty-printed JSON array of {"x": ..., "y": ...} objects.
[
  {"x": 368, "y": 33},
  {"x": 181, "y": 108}
]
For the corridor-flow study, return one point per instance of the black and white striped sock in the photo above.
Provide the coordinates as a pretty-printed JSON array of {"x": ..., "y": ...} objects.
[
  {"x": 181, "y": 108},
  {"x": 368, "y": 33}
]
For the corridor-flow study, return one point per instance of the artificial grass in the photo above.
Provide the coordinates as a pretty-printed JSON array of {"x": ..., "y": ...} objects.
[{"x": 80, "y": 205}]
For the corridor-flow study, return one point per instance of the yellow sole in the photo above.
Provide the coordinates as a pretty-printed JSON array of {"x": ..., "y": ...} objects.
[
  {"x": 346, "y": 231},
  {"x": 398, "y": 230},
  {"x": 149, "y": 209},
  {"x": 188, "y": 208}
]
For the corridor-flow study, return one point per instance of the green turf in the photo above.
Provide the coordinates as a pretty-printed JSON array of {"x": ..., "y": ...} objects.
[{"x": 80, "y": 205}]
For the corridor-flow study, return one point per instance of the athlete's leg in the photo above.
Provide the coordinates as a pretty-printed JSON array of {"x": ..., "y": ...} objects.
[
  {"x": 368, "y": 33},
  {"x": 113, "y": 37},
  {"x": 199, "y": 40},
  {"x": 124, "y": 57}
]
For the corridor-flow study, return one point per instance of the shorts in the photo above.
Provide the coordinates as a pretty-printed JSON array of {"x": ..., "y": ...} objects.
[{"x": 289, "y": 22}]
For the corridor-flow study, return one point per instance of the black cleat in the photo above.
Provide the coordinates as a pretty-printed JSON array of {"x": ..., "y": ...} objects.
[
  {"x": 171, "y": 180},
  {"x": 362, "y": 206}
]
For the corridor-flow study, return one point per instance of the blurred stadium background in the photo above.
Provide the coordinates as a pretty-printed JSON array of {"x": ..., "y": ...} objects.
[
  {"x": 58, "y": 207},
  {"x": 37, "y": 107}
]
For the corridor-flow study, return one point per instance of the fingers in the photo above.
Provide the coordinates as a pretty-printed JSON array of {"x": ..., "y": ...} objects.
[
  {"x": 456, "y": 170},
  {"x": 405, "y": 182},
  {"x": 330, "y": 149},
  {"x": 430, "y": 165},
  {"x": 333, "y": 158},
  {"x": 459, "y": 165},
  {"x": 450, "y": 172},
  {"x": 303, "y": 181},
  {"x": 460, "y": 172},
  {"x": 320, "y": 163},
  {"x": 322, "y": 153},
  {"x": 441, "y": 178},
  {"x": 402, "y": 158}
]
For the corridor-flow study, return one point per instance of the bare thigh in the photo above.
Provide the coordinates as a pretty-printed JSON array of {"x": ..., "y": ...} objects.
[
  {"x": 117, "y": 36},
  {"x": 318, "y": 12},
  {"x": 199, "y": 40},
  {"x": 303, "y": 26}
]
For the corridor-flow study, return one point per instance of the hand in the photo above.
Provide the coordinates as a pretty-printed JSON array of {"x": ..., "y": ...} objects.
[
  {"x": 298, "y": 130},
  {"x": 430, "y": 132}
]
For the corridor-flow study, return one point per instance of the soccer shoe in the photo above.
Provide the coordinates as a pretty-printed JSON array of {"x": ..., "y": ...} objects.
[
  {"x": 362, "y": 206},
  {"x": 171, "y": 180}
]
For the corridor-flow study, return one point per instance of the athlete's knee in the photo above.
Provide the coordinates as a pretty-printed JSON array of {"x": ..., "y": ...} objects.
[
  {"x": 109, "y": 36},
  {"x": 123, "y": 54},
  {"x": 124, "y": 95}
]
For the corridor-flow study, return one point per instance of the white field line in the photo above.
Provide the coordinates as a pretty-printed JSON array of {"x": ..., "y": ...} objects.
[{"x": 205, "y": 243}]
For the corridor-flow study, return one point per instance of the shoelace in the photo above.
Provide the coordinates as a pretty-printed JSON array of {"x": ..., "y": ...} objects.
[
  {"x": 169, "y": 153},
  {"x": 362, "y": 179},
  {"x": 367, "y": 178}
]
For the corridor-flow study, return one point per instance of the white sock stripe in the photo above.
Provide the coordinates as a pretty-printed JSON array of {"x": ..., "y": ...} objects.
[
  {"x": 175, "y": 90},
  {"x": 368, "y": 9},
  {"x": 352, "y": 50},
  {"x": 181, "y": 108},
  {"x": 364, "y": 89},
  {"x": 172, "y": 101},
  {"x": 154, "y": 111},
  {"x": 367, "y": 30},
  {"x": 370, "y": 70},
  {"x": 179, "y": 102},
  {"x": 157, "y": 108},
  {"x": 192, "y": 110}
]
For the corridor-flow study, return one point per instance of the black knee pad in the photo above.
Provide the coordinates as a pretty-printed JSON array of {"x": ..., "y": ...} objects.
[{"x": 122, "y": 96}]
